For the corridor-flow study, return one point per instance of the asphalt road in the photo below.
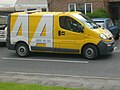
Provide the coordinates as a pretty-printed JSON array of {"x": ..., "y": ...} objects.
[{"x": 75, "y": 65}]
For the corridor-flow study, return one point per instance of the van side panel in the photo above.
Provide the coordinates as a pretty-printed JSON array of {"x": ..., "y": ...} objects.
[
  {"x": 34, "y": 30},
  {"x": 56, "y": 29},
  {"x": 41, "y": 31},
  {"x": 19, "y": 28}
]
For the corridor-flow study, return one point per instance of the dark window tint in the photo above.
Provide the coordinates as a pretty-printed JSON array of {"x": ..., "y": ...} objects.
[{"x": 69, "y": 23}]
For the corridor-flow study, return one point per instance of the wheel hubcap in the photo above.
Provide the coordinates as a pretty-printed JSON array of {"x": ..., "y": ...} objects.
[
  {"x": 89, "y": 52},
  {"x": 22, "y": 51}
]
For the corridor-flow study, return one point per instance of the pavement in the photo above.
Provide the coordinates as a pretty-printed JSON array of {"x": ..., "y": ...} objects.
[{"x": 87, "y": 82}]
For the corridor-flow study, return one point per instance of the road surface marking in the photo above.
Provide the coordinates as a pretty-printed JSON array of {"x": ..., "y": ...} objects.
[{"x": 45, "y": 60}]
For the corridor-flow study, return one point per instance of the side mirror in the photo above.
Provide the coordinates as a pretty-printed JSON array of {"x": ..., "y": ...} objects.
[
  {"x": 80, "y": 29},
  {"x": 99, "y": 25}
]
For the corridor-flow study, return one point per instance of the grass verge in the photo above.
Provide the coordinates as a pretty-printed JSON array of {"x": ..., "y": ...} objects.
[{"x": 15, "y": 86}]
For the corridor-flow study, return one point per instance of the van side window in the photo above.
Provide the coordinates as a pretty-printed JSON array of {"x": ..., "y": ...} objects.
[{"x": 69, "y": 23}]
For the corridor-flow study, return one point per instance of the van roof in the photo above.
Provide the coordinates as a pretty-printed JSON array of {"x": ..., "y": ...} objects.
[{"x": 41, "y": 13}]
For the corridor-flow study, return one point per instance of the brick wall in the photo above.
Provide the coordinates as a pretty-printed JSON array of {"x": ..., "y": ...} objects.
[
  {"x": 114, "y": 0},
  {"x": 62, "y": 5}
]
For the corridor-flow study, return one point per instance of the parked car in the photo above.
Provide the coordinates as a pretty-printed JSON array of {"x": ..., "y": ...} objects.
[
  {"x": 108, "y": 24},
  {"x": 3, "y": 33}
]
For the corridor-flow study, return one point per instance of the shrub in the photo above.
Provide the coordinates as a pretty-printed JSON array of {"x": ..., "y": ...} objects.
[{"x": 99, "y": 13}]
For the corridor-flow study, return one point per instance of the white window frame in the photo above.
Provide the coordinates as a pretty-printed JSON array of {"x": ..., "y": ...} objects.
[
  {"x": 75, "y": 7},
  {"x": 70, "y": 5},
  {"x": 86, "y": 7}
]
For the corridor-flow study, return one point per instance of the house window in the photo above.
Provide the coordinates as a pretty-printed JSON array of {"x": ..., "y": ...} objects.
[
  {"x": 84, "y": 8},
  {"x": 88, "y": 8},
  {"x": 44, "y": 9},
  {"x": 80, "y": 7},
  {"x": 72, "y": 7}
]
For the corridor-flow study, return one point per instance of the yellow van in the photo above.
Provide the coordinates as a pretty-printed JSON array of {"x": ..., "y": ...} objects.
[{"x": 61, "y": 32}]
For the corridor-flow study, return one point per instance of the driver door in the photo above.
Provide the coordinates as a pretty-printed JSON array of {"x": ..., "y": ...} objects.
[{"x": 70, "y": 38}]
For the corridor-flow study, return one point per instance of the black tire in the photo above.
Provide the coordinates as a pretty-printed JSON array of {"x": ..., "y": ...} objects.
[
  {"x": 117, "y": 36},
  {"x": 22, "y": 49},
  {"x": 90, "y": 52}
]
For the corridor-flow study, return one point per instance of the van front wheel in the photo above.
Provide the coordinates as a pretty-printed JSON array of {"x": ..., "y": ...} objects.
[
  {"x": 90, "y": 52},
  {"x": 22, "y": 49}
]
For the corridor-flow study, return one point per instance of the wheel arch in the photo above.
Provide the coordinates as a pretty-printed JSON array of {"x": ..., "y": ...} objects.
[
  {"x": 22, "y": 42},
  {"x": 89, "y": 44}
]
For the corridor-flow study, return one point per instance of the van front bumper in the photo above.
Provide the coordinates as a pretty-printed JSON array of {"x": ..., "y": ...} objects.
[{"x": 106, "y": 47}]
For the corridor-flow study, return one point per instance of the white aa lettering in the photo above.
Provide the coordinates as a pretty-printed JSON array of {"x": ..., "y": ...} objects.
[
  {"x": 22, "y": 20},
  {"x": 46, "y": 21}
]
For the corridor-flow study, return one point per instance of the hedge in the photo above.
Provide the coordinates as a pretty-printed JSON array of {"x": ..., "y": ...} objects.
[{"x": 99, "y": 13}]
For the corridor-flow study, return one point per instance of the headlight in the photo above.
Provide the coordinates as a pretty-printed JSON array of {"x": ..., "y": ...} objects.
[{"x": 103, "y": 36}]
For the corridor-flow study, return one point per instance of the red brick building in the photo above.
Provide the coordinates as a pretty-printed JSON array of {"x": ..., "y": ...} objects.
[
  {"x": 112, "y": 6},
  {"x": 76, "y": 5}
]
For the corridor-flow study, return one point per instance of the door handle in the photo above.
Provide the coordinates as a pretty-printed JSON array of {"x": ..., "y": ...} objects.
[{"x": 61, "y": 33}]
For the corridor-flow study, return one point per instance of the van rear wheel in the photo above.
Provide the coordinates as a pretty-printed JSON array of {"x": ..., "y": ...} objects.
[
  {"x": 90, "y": 52},
  {"x": 22, "y": 49}
]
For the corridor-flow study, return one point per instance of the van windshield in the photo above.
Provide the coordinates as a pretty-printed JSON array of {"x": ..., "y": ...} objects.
[{"x": 86, "y": 21}]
